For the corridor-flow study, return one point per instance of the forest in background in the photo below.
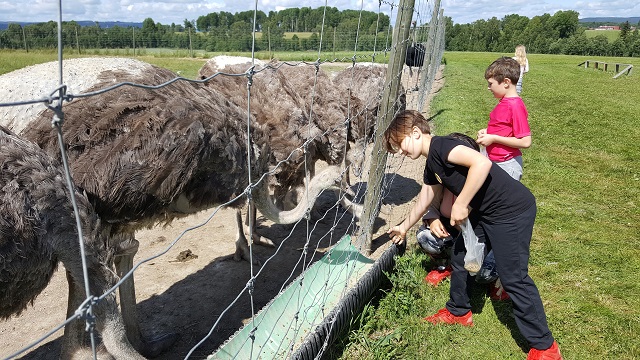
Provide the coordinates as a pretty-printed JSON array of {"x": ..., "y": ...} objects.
[
  {"x": 560, "y": 33},
  {"x": 221, "y": 31}
]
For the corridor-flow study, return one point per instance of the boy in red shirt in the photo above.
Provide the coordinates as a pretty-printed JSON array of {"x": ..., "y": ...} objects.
[{"x": 508, "y": 129}]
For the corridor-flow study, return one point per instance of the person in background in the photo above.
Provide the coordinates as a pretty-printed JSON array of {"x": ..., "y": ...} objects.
[
  {"x": 503, "y": 207},
  {"x": 521, "y": 58}
]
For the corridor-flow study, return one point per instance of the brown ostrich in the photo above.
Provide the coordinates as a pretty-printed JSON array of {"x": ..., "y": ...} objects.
[
  {"x": 38, "y": 230},
  {"x": 146, "y": 157},
  {"x": 279, "y": 108},
  {"x": 366, "y": 84}
]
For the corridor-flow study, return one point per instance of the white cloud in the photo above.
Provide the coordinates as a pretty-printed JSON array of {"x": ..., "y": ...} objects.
[{"x": 168, "y": 11}]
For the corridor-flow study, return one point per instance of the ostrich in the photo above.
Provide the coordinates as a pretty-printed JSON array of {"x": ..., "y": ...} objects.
[
  {"x": 38, "y": 230},
  {"x": 415, "y": 57},
  {"x": 147, "y": 157},
  {"x": 277, "y": 106},
  {"x": 366, "y": 83}
]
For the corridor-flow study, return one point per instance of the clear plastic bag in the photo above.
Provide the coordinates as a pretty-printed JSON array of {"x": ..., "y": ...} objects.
[{"x": 475, "y": 250}]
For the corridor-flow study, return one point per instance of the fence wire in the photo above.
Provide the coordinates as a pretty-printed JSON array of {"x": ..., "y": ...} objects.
[{"x": 335, "y": 214}]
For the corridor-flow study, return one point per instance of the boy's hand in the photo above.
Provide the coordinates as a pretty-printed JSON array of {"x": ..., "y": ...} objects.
[
  {"x": 485, "y": 139},
  {"x": 458, "y": 214},
  {"x": 437, "y": 229},
  {"x": 482, "y": 132},
  {"x": 397, "y": 234}
]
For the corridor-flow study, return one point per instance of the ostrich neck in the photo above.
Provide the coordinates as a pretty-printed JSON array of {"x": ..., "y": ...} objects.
[{"x": 328, "y": 178}]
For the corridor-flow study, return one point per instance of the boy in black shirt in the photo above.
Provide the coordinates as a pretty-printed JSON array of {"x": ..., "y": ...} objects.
[{"x": 501, "y": 207}]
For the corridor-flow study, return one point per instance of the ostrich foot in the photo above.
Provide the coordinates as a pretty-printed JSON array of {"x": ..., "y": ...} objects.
[
  {"x": 242, "y": 245},
  {"x": 261, "y": 240},
  {"x": 243, "y": 253}
]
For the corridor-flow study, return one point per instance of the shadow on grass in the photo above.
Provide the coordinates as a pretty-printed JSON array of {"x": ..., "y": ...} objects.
[{"x": 504, "y": 312}]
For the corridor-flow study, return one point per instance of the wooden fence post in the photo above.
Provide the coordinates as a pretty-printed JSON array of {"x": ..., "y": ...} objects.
[
  {"x": 373, "y": 197},
  {"x": 433, "y": 23}
]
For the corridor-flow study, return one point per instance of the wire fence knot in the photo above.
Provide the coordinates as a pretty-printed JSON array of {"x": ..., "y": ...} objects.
[
  {"x": 249, "y": 74},
  {"x": 85, "y": 311},
  {"x": 58, "y": 117},
  {"x": 250, "y": 285}
]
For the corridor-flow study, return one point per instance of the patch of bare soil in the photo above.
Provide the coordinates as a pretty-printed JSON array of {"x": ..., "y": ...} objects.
[{"x": 186, "y": 289}]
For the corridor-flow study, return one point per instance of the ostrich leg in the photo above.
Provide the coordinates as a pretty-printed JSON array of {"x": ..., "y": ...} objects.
[
  {"x": 251, "y": 229},
  {"x": 74, "y": 331},
  {"x": 109, "y": 324},
  {"x": 124, "y": 263}
]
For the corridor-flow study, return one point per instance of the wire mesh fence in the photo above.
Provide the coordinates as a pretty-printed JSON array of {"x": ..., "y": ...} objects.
[{"x": 141, "y": 146}]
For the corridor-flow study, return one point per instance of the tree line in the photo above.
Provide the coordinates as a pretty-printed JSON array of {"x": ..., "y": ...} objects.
[
  {"x": 222, "y": 31},
  {"x": 560, "y": 33}
]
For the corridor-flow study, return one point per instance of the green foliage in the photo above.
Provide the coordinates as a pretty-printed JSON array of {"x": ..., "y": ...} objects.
[
  {"x": 221, "y": 31},
  {"x": 585, "y": 253},
  {"x": 560, "y": 33}
]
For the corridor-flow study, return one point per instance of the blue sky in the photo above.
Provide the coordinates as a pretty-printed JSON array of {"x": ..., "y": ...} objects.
[{"x": 175, "y": 11}]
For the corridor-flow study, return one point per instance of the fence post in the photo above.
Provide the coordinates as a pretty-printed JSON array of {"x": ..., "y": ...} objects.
[
  {"x": 436, "y": 56},
  {"x": 24, "y": 39},
  {"x": 433, "y": 23},
  {"x": 77, "y": 41},
  {"x": 134, "y": 40},
  {"x": 269, "y": 41},
  {"x": 373, "y": 197},
  {"x": 190, "y": 49}
]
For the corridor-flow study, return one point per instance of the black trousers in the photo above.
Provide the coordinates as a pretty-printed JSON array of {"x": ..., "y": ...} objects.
[{"x": 510, "y": 240}]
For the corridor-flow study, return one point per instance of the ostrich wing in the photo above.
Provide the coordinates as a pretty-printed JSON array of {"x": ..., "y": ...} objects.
[{"x": 153, "y": 155}]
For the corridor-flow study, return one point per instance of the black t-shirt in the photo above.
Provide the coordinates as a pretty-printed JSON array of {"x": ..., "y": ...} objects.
[{"x": 500, "y": 197}]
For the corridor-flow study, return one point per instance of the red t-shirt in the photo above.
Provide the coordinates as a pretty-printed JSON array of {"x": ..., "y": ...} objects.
[{"x": 509, "y": 119}]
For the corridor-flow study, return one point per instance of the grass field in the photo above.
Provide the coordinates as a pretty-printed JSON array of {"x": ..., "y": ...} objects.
[
  {"x": 179, "y": 61},
  {"x": 611, "y": 35},
  {"x": 288, "y": 35},
  {"x": 584, "y": 170}
]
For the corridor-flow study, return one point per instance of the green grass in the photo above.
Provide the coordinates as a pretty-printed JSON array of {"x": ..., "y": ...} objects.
[
  {"x": 288, "y": 35},
  {"x": 187, "y": 66},
  {"x": 611, "y": 35},
  {"x": 176, "y": 60},
  {"x": 584, "y": 170}
]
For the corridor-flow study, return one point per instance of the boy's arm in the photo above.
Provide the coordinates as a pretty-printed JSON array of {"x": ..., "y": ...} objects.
[
  {"x": 399, "y": 232},
  {"x": 514, "y": 142},
  {"x": 433, "y": 212},
  {"x": 479, "y": 167}
]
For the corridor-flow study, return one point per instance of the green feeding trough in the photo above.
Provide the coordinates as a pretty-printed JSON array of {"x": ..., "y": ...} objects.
[{"x": 282, "y": 325}]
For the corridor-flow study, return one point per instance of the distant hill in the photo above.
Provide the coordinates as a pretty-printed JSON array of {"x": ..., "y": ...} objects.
[
  {"x": 611, "y": 20},
  {"x": 103, "y": 24}
]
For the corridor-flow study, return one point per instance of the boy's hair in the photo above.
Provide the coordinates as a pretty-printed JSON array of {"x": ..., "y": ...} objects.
[
  {"x": 466, "y": 139},
  {"x": 503, "y": 68},
  {"x": 401, "y": 126}
]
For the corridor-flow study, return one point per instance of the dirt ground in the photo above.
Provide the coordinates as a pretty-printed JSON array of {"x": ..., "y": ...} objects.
[{"x": 187, "y": 294}]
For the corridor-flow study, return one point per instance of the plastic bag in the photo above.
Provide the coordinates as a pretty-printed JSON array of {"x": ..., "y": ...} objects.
[{"x": 475, "y": 250}]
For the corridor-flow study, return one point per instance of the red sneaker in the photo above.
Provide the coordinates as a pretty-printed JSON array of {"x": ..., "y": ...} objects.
[
  {"x": 552, "y": 353},
  {"x": 496, "y": 291},
  {"x": 434, "y": 277},
  {"x": 444, "y": 316}
]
